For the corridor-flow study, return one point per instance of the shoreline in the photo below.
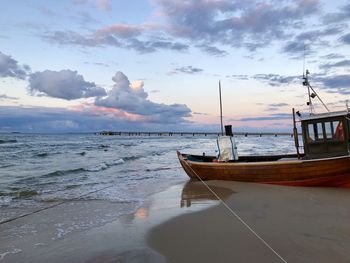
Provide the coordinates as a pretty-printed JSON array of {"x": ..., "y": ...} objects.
[
  {"x": 185, "y": 223},
  {"x": 302, "y": 224},
  {"x": 96, "y": 231}
]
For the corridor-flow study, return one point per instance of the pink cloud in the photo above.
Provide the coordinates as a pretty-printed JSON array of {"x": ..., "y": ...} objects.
[
  {"x": 122, "y": 30},
  {"x": 100, "y": 110}
]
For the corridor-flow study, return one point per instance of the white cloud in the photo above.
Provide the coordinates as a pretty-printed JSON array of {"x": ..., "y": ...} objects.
[
  {"x": 64, "y": 84},
  {"x": 132, "y": 98}
]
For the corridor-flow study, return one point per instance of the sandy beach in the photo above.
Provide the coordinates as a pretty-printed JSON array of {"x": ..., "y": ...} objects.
[
  {"x": 95, "y": 231},
  {"x": 186, "y": 224},
  {"x": 300, "y": 225}
]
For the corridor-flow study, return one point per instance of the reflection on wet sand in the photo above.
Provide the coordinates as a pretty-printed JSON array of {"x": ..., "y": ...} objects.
[
  {"x": 67, "y": 232},
  {"x": 142, "y": 213},
  {"x": 301, "y": 224},
  {"x": 196, "y": 192}
]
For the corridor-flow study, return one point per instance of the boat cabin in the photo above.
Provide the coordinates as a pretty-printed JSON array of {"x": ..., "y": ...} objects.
[{"x": 326, "y": 134}]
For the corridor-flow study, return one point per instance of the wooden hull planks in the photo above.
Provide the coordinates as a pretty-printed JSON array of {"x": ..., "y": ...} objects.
[{"x": 332, "y": 172}]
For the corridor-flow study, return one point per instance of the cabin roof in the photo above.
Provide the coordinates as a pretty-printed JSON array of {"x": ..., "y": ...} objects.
[{"x": 324, "y": 115}]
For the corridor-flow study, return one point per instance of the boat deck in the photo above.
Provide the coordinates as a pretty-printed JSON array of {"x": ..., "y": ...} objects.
[{"x": 246, "y": 159}]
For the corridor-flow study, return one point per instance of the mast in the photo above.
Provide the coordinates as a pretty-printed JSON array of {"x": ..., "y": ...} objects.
[
  {"x": 307, "y": 84},
  {"x": 313, "y": 94},
  {"x": 222, "y": 127},
  {"x": 295, "y": 135}
]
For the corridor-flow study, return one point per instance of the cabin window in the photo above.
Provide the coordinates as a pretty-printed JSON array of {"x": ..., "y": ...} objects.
[
  {"x": 329, "y": 129},
  {"x": 315, "y": 132},
  {"x": 311, "y": 133},
  {"x": 319, "y": 131}
]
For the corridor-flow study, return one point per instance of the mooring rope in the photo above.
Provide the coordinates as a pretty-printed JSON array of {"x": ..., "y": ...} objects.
[
  {"x": 212, "y": 191},
  {"x": 54, "y": 205},
  {"x": 239, "y": 218}
]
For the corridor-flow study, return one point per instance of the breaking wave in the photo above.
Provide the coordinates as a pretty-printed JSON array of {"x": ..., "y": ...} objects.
[
  {"x": 97, "y": 168},
  {"x": 104, "y": 166},
  {"x": 63, "y": 172}
]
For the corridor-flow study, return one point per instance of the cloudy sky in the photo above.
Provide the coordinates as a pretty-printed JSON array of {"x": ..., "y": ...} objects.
[{"x": 90, "y": 65}]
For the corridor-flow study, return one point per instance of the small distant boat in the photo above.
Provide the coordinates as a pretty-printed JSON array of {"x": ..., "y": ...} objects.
[{"x": 325, "y": 161}]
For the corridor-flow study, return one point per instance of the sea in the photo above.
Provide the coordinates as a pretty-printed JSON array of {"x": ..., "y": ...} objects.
[{"x": 38, "y": 170}]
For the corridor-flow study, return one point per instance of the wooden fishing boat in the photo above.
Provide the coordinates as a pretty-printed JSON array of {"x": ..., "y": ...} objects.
[
  {"x": 325, "y": 161},
  {"x": 281, "y": 169}
]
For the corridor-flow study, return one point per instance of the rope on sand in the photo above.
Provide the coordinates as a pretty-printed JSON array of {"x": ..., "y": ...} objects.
[
  {"x": 239, "y": 218},
  {"x": 212, "y": 191}
]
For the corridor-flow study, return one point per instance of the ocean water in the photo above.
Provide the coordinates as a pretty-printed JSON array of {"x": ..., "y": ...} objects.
[{"x": 37, "y": 170}]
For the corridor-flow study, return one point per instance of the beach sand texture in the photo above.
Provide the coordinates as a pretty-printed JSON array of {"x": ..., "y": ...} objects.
[
  {"x": 92, "y": 230},
  {"x": 186, "y": 224},
  {"x": 301, "y": 224}
]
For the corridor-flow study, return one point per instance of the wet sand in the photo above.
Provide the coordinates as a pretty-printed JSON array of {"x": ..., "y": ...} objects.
[
  {"x": 77, "y": 231},
  {"x": 97, "y": 231},
  {"x": 300, "y": 224},
  {"x": 186, "y": 223}
]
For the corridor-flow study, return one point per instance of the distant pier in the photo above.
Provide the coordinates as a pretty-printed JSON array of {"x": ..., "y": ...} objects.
[{"x": 246, "y": 134}]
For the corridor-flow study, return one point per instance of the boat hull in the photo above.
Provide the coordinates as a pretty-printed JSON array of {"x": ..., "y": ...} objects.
[{"x": 331, "y": 172}]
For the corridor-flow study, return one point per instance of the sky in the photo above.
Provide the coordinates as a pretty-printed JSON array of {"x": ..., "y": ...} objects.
[{"x": 155, "y": 65}]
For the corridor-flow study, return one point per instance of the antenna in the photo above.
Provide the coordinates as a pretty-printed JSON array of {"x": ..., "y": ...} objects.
[
  {"x": 306, "y": 82},
  {"x": 222, "y": 127}
]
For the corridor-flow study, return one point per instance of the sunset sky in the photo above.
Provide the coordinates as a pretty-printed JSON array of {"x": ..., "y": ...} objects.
[{"x": 154, "y": 65}]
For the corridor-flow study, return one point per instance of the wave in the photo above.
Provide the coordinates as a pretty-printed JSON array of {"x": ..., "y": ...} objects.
[
  {"x": 5, "y": 201},
  {"x": 142, "y": 178},
  {"x": 116, "y": 162},
  {"x": 158, "y": 169},
  {"x": 63, "y": 172},
  {"x": 7, "y": 165},
  {"x": 42, "y": 154},
  {"x": 128, "y": 144},
  {"x": 131, "y": 158},
  {"x": 104, "y": 166},
  {"x": 97, "y": 168},
  {"x": 12, "y": 251},
  {"x": 101, "y": 146},
  {"x": 7, "y": 141},
  {"x": 25, "y": 193},
  {"x": 72, "y": 186},
  {"x": 158, "y": 153}
]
